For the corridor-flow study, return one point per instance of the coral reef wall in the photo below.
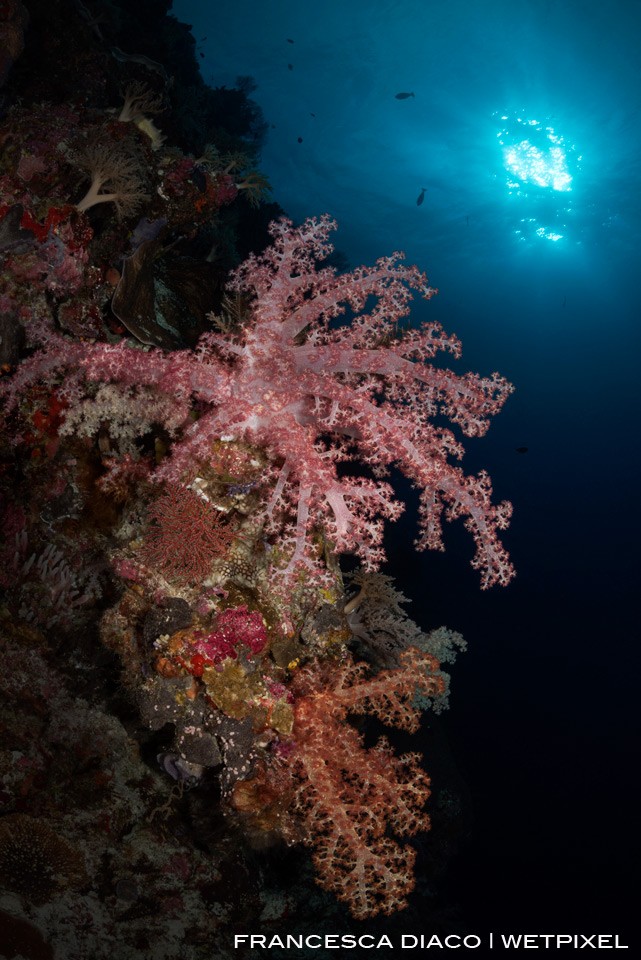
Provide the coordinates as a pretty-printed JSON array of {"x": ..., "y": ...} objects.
[{"x": 200, "y": 416}]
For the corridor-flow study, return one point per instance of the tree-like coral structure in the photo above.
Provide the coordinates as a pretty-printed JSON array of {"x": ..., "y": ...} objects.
[
  {"x": 116, "y": 177},
  {"x": 315, "y": 392},
  {"x": 186, "y": 535},
  {"x": 344, "y": 800}
]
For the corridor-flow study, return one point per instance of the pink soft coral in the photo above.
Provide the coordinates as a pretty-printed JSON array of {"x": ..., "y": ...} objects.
[
  {"x": 314, "y": 391},
  {"x": 235, "y": 627}
]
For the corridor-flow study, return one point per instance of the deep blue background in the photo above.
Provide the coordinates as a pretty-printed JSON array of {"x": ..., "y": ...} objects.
[{"x": 543, "y": 725}]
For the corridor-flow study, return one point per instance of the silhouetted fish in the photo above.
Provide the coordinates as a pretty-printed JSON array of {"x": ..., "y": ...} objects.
[
  {"x": 521, "y": 449},
  {"x": 300, "y": 139},
  {"x": 290, "y": 66},
  {"x": 421, "y": 196},
  {"x": 403, "y": 96},
  {"x": 289, "y": 40}
]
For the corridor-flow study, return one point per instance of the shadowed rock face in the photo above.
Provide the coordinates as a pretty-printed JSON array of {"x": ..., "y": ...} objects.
[
  {"x": 14, "y": 19},
  {"x": 11, "y": 338},
  {"x": 163, "y": 299},
  {"x": 20, "y": 938}
]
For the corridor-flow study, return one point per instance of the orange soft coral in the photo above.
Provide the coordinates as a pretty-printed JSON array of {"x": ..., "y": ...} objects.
[{"x": 346, "y": 800}]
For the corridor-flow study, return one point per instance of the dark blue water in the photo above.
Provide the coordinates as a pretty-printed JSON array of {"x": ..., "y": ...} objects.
[{"x": 524, "y": 130}]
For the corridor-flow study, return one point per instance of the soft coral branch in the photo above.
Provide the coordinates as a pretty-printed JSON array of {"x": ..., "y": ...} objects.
[
  {"x": 313, "y": 394},
  {"x": 350, "y": 800},
  {"x": 116, "y": 177}
]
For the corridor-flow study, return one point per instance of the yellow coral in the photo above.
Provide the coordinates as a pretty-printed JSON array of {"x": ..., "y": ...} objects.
[{"x": 232, "y": 689}]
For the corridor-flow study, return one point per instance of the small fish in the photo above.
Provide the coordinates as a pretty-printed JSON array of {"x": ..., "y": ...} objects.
[
  {"x": 421, "y": 196},
  {"x": 289, "y": 40},
  {"x": 403, "y": 96},
  {"x": 313, "y": 115},
  {"x": 290, "y": 66},
  {"x": 300, "y": 139},
  {"x": 521, "y": 449}
]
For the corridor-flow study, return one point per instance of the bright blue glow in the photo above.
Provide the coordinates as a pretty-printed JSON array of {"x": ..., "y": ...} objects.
[
  {"x": 548, "y": 234},
  {"x": 540, "y": 165},
  {"x": 534, "y": 154},
  {"x": 532, "y": 165}
]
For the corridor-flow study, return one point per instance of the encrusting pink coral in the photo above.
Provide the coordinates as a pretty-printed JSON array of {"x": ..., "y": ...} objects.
[
  {"x": 315, "y": 393},
  {"x": 235, "y": 628}
]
